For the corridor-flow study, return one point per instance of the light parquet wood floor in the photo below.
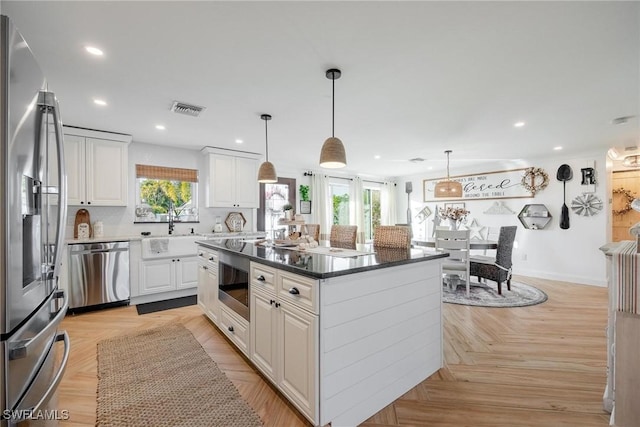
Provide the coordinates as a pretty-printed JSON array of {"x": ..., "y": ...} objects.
[{"x": 543, "y": 365}]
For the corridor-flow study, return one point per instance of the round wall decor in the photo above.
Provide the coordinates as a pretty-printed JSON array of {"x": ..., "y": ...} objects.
[
  {"x": 534, "y": 180},
  {"x": 586, "y": 205},
  {"x": 627, "y": 198}
]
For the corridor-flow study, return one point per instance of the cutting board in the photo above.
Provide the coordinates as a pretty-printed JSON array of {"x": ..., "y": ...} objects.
[{"x": 82, "y": 217}]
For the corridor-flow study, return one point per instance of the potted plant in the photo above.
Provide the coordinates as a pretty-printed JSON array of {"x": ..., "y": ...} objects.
[
  {"x": 288, "y": 211},
  {"x": 304, "y": 193}
]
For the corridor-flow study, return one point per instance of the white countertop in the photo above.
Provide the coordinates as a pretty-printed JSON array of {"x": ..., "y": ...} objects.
[{"x": 128, "y": 238}]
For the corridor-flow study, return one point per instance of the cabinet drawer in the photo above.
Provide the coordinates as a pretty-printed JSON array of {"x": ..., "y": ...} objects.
[
  {"x": 300, "y": 291},
  {"x": 212, "y": 260},
  {"x": 234, "y": 327},
  {"x": 263, "y": 277}
]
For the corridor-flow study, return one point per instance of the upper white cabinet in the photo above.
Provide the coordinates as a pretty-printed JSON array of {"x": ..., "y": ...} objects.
[
  {"x": 97, "y": 167},
  {"x": 232, "y": 178}
]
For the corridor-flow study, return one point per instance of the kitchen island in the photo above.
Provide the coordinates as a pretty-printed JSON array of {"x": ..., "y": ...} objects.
[{"x": 340, "y": 337}]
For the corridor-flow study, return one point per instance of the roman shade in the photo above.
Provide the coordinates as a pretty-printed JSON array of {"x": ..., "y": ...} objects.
[{"x": 170, "y": 174}]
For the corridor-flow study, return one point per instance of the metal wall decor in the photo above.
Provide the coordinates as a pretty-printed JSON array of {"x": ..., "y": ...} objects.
[
  {"x": 586, "y": 205},
  {"x": 499, "y": 208}
]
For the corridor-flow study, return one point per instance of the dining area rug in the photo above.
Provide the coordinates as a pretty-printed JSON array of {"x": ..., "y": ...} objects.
[
  {"x": 163, "y": 377},
  {"x": 486, "y": 295}
]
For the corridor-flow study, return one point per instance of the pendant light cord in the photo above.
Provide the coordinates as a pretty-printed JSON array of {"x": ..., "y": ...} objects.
[
  {"x": 333, "y": 104},
  {"x": 266, "y": 138},
  {"x": 448, "y": 152}
]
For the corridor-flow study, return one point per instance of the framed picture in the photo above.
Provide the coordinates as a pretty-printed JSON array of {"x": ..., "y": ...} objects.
[{"x": 305, "y": 206}]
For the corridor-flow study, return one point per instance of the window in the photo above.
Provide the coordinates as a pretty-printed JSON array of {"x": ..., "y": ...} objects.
[
  {"x": 273, "y": 197},
  {"x": 340, "y": 203},
  {"x": 371, "y": 209},
  {"x": 160, "y": 190}
]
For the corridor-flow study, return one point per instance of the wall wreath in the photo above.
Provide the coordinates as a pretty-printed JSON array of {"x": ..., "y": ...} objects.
[
  {"x": 534, "y": 180},
  {"x": 628, "y": 197}
]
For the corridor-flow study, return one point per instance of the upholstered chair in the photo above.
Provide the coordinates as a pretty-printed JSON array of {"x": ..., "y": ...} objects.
[{"x": 497, "y": 269}]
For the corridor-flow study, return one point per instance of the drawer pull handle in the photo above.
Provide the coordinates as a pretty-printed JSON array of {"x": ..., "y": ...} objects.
[
  {"x": 294, "y": 291},
  {"x": 230, "y": 328},
  {"x": 205, "y": 267},
  {"x": 211, "y": 259},
  {"x": 261, "y": 279},
  {"x": 277, "y": 304},
  {"x": 272, "y": 302}
]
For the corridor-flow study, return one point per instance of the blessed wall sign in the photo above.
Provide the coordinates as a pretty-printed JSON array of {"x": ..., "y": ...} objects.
[{"x": 489, "y": 185}]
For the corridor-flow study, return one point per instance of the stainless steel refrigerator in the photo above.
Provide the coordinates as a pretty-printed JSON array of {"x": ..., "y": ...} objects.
[{"x": 32, "y": 220}]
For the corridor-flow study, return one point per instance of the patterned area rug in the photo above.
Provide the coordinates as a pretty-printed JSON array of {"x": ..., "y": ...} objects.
[
  {"x": 520, "y": 295},
  {"x": 163, "y": 377}
]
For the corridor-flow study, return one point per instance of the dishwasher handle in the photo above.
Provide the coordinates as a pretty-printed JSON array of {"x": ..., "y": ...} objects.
[{"x": 99, "y": 251}]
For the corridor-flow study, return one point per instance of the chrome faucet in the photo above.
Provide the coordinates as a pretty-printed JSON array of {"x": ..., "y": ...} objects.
[{"x": 171, "y": 226}]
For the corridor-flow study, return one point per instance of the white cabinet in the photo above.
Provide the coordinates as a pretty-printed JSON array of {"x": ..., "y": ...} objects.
[
  {"x": 231, "y": 180},
  {"x": 97, "y": 167},
  {"x": 208, "y": 284},
  {"x": 284, "y": 334},
  {"x": 168, "y": 274}
]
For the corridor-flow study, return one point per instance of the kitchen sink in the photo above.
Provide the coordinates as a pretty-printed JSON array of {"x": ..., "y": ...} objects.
[{"x": 169, "y": 246}]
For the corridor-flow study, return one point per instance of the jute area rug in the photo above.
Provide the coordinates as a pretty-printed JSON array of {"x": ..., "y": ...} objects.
[
  {"x": 520, "y": 295},
  {"x": 163, "y": 377}
]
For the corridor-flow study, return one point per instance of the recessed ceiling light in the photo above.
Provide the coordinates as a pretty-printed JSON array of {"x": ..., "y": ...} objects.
[
  {"x": 94, "y": 50},
  {"x": 239, "y": 141},
  {"x": 377, "y": 156},
  {"x": 558, "y": 148},
  {"x": 518, "y": 124},
  {"x": 160, "y": 127},
  {"x": 99, "y": 102}
]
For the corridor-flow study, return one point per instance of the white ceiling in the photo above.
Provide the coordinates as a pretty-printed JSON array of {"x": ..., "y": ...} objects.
[{"x": 418, "y": 77}]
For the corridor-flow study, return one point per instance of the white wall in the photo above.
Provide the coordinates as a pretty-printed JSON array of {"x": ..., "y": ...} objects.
[
  {"x": 552, "y": 253},
  {"x": 118, "y": 221}
]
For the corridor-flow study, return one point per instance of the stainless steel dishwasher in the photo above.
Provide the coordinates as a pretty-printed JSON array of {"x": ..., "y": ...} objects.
[{"x": 99, "y": 275}]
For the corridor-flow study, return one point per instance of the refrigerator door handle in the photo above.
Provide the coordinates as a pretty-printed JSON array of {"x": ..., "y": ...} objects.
[
  {"x": 61, "y": 336},
  {"x": 21, "y": 348},
  {"x": 49, "y": 101}
]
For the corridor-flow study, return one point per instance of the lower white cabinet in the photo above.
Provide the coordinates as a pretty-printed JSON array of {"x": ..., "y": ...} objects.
[
  {"x": 208, "y": 284},
  {"x": 168, "y": 274},
  {"x": 284, "y": 344},
  {"x": 235, "y": 328}
]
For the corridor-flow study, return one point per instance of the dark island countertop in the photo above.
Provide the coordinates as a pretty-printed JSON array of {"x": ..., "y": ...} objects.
[{"x": 320, "y": 266}]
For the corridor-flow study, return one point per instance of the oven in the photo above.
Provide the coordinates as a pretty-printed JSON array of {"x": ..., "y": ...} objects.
[{"x": 233, "y": 282}]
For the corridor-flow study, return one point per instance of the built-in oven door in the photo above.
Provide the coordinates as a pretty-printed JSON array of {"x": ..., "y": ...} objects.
[
  {"x": 30, "y": 375},
  {"x": 233, "y": 282}
]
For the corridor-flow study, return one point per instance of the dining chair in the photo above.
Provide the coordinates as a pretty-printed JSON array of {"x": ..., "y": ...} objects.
[
  {"x": 498, "y": 268},
  {"x": 392, "y": 236},
  {"x": 456, "y": 243},
  {"x": 343, "y": 236},
  {"x": 313, "y": 230}
]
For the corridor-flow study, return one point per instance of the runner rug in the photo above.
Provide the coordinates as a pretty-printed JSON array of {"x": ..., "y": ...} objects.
[
  {"x": 520, "y": 295},
  {"x": 163, "y": 377}
]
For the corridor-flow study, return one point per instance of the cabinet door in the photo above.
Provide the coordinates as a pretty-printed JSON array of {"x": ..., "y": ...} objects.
[
  {"x": 107, "y": 172},
  {"x": 212, "y": 289},
  {"x": 186, "y": 272},
  {"x": 203, "y": 289},
  {"x": 263, "y": 333},
  {"x": 157, "y": 276},
  {"x": 297, "y": 359},
  {"x": 221, "y": 181},
  {"x": 75, "y": 168},
  {"x": 246, "y": 183}
]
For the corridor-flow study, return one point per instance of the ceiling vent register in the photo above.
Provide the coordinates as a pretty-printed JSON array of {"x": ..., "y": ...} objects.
[{"x": 187, "y": 109}]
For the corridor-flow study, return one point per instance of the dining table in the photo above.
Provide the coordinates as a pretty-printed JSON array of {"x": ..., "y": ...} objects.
[{"x": 473, "y": 244}]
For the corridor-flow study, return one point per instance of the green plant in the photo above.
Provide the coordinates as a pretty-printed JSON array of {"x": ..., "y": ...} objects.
[
  {"x": 304, "y": 193},
  {"x": 287, "y": 207}
]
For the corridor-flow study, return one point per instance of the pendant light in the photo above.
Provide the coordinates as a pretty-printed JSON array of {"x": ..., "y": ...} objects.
[
  {"x": 332, "y": 155},
  {"x": 448, "y": 188},
  {"x": 267, "y": 172}
]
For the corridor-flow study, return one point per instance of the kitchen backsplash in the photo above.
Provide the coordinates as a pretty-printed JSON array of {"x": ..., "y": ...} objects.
[{"x": 118, "y": 221}]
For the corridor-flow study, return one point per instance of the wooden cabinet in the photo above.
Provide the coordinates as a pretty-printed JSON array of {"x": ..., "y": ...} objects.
[
  {"x": 284, "y": 333},
  {"x": 97, "y": 167},
  {"x": 231, "y": 180},
  {"x": 168, "y": 274},
  {"x": 208, "y": 284}
]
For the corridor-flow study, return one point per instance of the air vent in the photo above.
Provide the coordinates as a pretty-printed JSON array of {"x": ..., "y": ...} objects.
[
  {"x": 631, "y": 148},
  {"x": 187, "y": 109},
  {"x": 416, "y": 160}
]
